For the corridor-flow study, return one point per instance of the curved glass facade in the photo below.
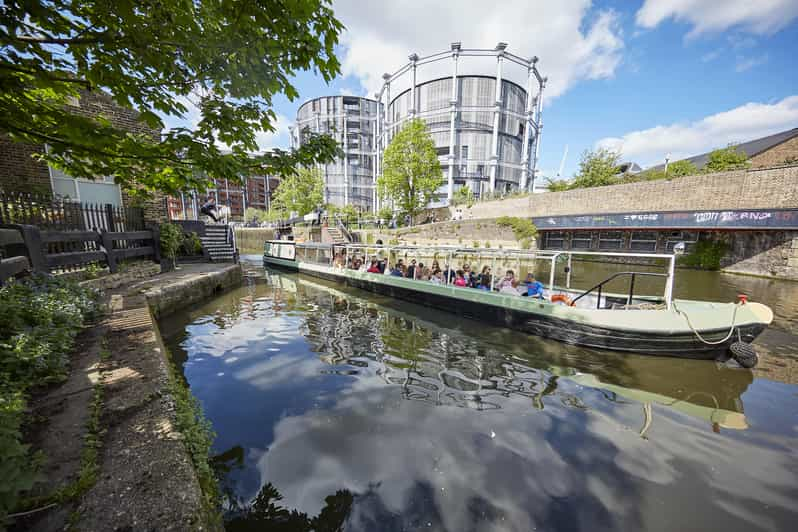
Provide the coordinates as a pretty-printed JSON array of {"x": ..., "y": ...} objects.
[
  {"x": 473, "y": 128},
  {"x": 351, "y": 121}
]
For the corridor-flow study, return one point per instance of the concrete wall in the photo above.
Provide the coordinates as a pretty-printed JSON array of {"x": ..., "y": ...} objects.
[{"x": 742, "y": 189}]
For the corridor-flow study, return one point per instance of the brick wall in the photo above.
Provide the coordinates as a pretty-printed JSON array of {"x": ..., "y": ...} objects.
[
  {"x": 742, "y": 189},
  {"x": 19, "y": 171},
  {"x": 778, "y": 155}
]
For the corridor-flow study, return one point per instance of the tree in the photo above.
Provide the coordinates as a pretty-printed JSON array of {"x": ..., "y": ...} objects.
[
  {"x": 411, "y": 171},
  {"x": 228, "y": 58},
  {"x": 597, "y": 169},
  {"x": 299, "y": 193},
  {"x": 724, "y": 159},
  {"x": 463, "y": 196}
]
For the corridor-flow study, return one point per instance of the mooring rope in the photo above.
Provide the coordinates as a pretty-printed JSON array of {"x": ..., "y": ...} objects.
[{"x": 698, "y": 335}]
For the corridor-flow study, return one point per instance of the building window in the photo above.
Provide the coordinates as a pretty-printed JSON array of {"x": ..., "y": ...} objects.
[
  {"x": 442, "y": 150},
  {"x": 581, "y": 240},
  {"x": 101, "y": 191},
  {"x": 464, "y": 152},
  {"x": 643, "y": 241},
  {"x": 610, "y": 240}
]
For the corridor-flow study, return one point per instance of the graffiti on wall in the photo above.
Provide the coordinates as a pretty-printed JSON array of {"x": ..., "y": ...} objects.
[{"x": 737, "y": 219}]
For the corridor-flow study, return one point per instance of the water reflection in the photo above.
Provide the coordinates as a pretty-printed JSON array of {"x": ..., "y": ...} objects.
[{"x": 340, "y": 410}]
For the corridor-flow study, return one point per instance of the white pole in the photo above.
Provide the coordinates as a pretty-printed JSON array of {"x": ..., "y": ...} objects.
[
  {"x": 568, "y": 275},
  {"x": 346, "y": 160},
  {"x": 669, "y": 282},
  {"x": 551, "y": 273},
  {"x": 538, "y": 132}
]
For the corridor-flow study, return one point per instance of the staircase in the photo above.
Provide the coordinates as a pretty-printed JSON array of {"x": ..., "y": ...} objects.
[
  {"x": 337, "y": 235},
  {"x": 217, "y": 244}
]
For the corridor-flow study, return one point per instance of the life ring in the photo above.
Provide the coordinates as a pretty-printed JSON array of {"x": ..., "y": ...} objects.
[{"x": 562, "y": 298}]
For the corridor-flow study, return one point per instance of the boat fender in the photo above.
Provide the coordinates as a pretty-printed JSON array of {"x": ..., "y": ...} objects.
[
  {"x": 561, "y": 298},
  {"x": 744, "y": 354}
]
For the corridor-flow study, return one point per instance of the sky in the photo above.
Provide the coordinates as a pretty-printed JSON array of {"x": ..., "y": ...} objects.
[{"x": 647, "y": 78}]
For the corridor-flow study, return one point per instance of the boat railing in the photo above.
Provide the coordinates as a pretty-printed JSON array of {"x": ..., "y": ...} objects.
[{"x": 600, "y": 286}]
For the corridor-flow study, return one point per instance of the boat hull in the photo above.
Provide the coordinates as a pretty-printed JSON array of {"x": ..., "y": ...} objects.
[{"x": 683, "y": 344}]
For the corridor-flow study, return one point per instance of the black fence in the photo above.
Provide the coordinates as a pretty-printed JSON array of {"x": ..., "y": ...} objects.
[{"x": 64, "y": 215}]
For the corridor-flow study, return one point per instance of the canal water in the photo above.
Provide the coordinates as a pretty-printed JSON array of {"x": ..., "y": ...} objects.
[{"x": 338, "y": 409}]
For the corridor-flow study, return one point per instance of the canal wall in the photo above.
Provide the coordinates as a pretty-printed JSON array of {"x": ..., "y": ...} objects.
[
  {"x": 153, "y": 472},
  {"x": 766, "y": 188},
  {"x": 191, "y": 287}
]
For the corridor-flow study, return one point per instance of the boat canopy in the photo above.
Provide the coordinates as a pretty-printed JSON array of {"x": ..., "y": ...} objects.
[{"x": 501, "y": 254}]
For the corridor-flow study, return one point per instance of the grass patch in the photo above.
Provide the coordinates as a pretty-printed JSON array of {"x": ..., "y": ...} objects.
[{"x": 198, "y": 438}]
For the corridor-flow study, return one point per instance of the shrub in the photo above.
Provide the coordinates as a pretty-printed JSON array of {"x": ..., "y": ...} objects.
[
  {"x": 39, "y": 319},
  {"x": 705, "y": 255},
  {"x": 171, "y": 239},
  {"x": 191, "y": 244},
  {"x": 523, "y": 228},
  {"x": 475, "y": 244}
]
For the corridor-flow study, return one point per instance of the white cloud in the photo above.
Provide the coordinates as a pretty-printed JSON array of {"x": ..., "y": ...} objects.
[
  {"x": 572, "y": 41},
  {"x": 746, "y": 63},
  {"x": 277, "y": 138},
  {"x": 760, "y": 16},
  {"x": 747, "y": 122},
  {"x": 712, "y": 55}
]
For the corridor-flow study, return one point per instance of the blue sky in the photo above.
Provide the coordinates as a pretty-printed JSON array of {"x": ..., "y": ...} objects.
[{"x": 645, "y": 77}]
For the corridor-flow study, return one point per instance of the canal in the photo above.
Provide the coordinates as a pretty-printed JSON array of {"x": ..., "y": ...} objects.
[{"x": 338, "y": 409}]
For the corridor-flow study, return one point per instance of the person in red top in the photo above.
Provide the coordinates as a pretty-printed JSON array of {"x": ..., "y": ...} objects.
[
  {"x": 460, "y": 279},
  {"x": 374, "y": 267}
]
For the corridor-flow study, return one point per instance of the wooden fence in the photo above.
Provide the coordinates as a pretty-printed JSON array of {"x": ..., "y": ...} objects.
[
  {"x": 48, "y": 212},
  {"x": 57, "y": 250}
]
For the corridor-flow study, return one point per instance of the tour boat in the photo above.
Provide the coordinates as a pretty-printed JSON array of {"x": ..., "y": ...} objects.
[{"x": 654, "y": 325}]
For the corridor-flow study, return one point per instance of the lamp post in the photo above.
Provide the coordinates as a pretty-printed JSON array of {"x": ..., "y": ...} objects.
[{"x": 667, "y": 160}]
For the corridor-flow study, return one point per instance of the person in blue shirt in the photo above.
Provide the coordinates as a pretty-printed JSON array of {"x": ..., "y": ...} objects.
[{"x": 533, "y": 288}]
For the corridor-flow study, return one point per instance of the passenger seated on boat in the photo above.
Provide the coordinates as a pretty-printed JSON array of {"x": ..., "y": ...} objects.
[
  {"x": 374, "y": 267},
  {"x": 460, "y": 279},
  {"x": 425, "y": 273},
  {"x": 508, "y": 284},
  {"x": 470, "y": 277},
  {"x": 435, "y": 265},
  {"x": 356, "y": 264},
  {"x": 436, "y": 277},
  {"x": 338, "y": 261},
  {"x": 411, "y": 270},
  {"x": 484, "y": 279},
  {"x": 534, "y": 288}
]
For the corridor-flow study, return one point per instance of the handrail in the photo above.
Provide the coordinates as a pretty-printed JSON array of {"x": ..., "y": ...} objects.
[
  {"x": 344, "y": 230},
  {"x": 610, "y": 278}
]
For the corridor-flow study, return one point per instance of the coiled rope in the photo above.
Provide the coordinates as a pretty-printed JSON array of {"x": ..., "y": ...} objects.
[{"x": 698, "y": 335}]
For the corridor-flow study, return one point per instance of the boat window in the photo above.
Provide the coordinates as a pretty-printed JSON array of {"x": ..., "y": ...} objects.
[
  {"x": 643, "y": 241},
  {"x": 581, "y": 240},
  {"x": 610, "y": 240}
]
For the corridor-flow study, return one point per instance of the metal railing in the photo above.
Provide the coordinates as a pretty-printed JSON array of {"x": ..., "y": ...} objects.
[
  {"x": 600, "y": 286},
  {"x": 47, "y": 212}
]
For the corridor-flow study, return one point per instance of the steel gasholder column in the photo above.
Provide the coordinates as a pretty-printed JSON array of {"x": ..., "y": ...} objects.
[
  {"x": 528, "y": 124},
  {"x": 452, "y": 119},
  {"x": 497, "y": 106}
]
